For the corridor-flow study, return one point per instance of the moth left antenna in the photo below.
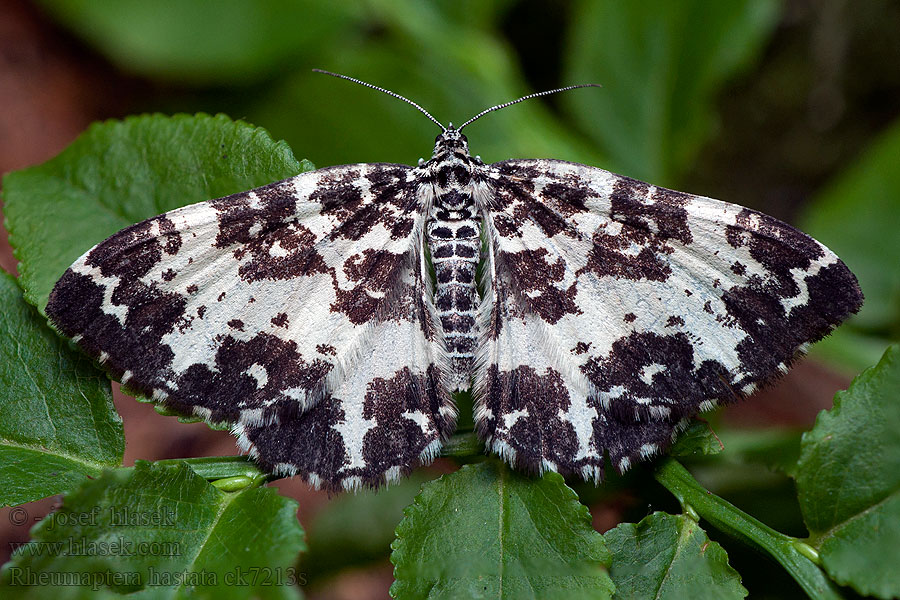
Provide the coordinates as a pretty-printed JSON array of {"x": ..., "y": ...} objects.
[
  {"x": 388, "y": 92},
  {"x": 528, "y": 97}
]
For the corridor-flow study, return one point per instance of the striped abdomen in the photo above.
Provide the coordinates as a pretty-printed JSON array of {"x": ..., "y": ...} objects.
[{"x": 455, "y": 245}]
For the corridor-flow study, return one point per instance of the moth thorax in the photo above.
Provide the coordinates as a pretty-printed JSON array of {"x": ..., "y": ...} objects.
[{"x": 454, "y": 200}]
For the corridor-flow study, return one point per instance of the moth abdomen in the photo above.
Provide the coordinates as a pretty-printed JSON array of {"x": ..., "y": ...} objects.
[{"x": 454, "y": 245}]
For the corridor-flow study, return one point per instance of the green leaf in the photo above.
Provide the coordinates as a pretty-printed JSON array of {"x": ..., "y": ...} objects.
[
  {"x": 848, "y": 481},
  {"x": 204, "y": 41},
  {"x": 858, "y": 216},
  {"x": 57, "y": 420},
  {"x": 164, "y": 530},
  {"x": 776, "y": 448},
  {"x": 668, "y": 556},
  {"x": 697, "y": 439},
  {"x": 487, "y": 532},
  {"x": 661, "y": 64},
  {"x": 121, "y": 172}
]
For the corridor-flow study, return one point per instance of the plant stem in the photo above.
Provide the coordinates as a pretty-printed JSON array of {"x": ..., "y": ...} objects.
[
  {"x": 219, "y": 467},
  {"x": 729, "y": 519},
  {"x": 462, "y": 445}
]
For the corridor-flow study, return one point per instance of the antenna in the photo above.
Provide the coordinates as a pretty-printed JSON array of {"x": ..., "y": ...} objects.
[
  {"x": 476, "y": 117},
  {"x": 523, "y": 98},
  {"x": 388, "y": 92}
]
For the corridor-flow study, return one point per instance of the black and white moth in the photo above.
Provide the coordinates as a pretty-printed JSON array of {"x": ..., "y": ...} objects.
[{"x": 303, "y": 312}]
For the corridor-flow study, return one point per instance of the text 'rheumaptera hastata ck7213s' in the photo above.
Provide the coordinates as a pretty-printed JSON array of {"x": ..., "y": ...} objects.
[{"x": 303, "y": 313}]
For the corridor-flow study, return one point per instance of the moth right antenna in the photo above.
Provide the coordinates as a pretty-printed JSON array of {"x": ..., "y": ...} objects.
[
  {"x": 528, "y": 97},
  {"x": 388, "y": 92}
]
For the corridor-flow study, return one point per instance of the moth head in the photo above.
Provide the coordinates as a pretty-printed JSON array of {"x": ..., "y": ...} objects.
[{"x": 449, "y": 142}]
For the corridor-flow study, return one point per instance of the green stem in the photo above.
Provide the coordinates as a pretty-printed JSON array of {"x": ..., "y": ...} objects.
[
  {"x": 462, "y": 445},
  {"x": 219, "y": 467},
  {"x": 722, "y": 515}
]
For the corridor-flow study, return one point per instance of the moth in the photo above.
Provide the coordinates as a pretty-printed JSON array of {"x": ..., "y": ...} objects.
[{"x": 303, "y": 313}]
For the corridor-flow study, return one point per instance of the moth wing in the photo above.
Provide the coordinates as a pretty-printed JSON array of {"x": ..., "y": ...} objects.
[
  {"x": 253, "y": 308},
  {"x": 617, "y": 309},
  {"x": 389, "y": 414}
]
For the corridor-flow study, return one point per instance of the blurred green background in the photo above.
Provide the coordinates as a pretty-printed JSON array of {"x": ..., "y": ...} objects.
[{"x": 789, "y": 107}]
